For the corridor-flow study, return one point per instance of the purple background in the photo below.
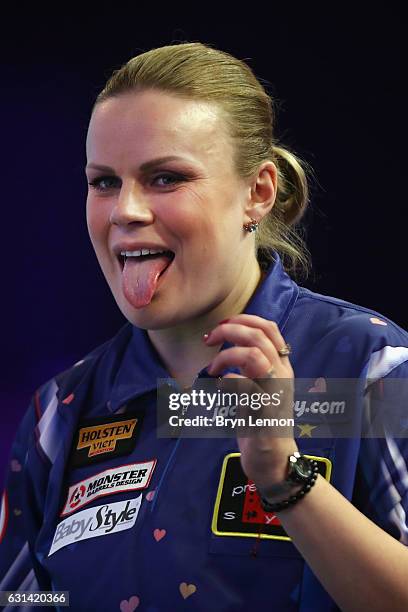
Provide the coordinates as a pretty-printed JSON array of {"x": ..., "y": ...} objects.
[{"x": 340, "y": 81}]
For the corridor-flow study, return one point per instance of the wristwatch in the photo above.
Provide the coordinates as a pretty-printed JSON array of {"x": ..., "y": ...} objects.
[{"x": 300, "y": 470}]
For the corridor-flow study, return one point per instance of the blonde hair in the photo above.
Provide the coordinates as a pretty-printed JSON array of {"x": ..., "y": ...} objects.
[{"x": 194, "y": 70}]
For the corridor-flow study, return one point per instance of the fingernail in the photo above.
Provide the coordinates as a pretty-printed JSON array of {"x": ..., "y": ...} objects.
[
  {"x": 224, "y": 321},
  {"x": 206, "y": 336}
]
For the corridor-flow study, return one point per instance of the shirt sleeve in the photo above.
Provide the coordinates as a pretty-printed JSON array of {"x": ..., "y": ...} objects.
[
  {"x": 18, "y": 569},
  {"x": 381, "y": 485}
]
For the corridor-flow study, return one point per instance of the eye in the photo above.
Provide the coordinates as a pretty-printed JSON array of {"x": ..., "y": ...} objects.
[
  {"x": 174, "y": 178},
  {"x": 169, "y": 178},
  {"x": 96, "y": 183}
]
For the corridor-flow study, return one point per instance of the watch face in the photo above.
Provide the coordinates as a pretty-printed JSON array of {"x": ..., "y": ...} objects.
[{"x": 302, "y": 467}]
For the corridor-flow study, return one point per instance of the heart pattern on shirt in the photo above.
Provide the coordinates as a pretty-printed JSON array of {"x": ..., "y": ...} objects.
[
  {"x": 159, "y": 534},
  {"x": 129, "y": 605},
  {"x": 68, "y": 399},
  {"x": 377, "y": 321},
  {"x": 319, "y": 386},
  {"x": 150, "y": 495},
  {"x": 187, "y": 589}
]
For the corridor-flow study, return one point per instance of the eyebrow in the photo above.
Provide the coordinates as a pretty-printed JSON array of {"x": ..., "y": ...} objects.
[{"x": 145, "y": 167}]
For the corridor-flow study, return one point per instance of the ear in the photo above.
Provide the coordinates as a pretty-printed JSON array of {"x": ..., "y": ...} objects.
[{"x": 263, "y": 189}]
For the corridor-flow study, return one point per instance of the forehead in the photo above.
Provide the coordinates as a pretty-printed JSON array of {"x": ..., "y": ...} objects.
[{"x": 156, "y": 123}]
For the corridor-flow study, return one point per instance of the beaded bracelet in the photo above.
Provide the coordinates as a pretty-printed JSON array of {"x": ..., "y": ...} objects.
[{"x": 282, "y": 505}]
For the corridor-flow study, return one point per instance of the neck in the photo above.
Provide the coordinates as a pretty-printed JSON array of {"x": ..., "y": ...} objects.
[{"x": 182, "y": 348}]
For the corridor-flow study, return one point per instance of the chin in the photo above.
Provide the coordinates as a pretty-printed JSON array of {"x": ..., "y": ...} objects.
[{"x": 152, "y": 316}]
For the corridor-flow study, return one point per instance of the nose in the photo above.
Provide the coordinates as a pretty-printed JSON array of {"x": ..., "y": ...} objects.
[{"x": 131, "y": 206}]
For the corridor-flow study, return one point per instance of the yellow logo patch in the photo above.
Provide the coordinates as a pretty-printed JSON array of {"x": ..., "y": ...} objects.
[{"x": 102, "y": 438}]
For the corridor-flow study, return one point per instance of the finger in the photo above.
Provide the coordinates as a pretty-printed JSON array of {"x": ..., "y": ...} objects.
[
  {"x": 270, "y": 329},
  {"x": 243, "y": 384},
  {"x": 244, "y": 335},
  {"x": 251, "y": 361}
]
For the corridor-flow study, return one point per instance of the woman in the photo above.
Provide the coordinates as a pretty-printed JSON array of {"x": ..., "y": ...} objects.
[{"x": 190, "y": 201}]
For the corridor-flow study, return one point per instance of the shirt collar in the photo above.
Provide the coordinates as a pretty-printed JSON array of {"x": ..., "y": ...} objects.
[{"x": 141, "y": 366}]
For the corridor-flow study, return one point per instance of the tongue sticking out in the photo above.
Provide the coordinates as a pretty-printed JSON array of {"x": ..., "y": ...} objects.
[{"x": 140, "y": 277}]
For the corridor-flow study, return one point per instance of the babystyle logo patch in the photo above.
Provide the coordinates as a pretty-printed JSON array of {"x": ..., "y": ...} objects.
[
  {"x": 96, "y": 522},
  {"x": 130, "y": 477},
  {"x": 105, "y": 437},
  {"x": 238, "y": 510}
]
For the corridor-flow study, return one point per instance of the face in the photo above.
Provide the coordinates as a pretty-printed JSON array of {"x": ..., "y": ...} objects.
[{"x": 192, "y": 205}]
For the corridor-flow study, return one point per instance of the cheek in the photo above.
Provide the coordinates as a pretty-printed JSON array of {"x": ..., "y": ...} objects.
[
  {"x": 97, "y": 222},
  {"x": 194, "y": 228}
]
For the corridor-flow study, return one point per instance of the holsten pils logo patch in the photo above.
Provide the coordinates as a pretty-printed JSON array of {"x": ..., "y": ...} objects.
[
  {"x": 96, "y": 522},
  {"x": 130, "y": 477},
  {"x": 238, "y": 510},
  {"x": 105, "y": 437}
]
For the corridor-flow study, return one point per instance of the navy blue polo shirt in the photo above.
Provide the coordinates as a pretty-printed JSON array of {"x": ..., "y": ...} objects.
[{"x": 96, "y": 504}]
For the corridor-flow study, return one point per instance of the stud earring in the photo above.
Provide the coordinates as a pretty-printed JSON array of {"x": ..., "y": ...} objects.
[{"x": 252, "y": 226}]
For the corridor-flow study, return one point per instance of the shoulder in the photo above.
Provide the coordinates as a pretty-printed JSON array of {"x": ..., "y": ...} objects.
[
  {"x": 347, "y": 337},
  {"x": 108, "y": 352},
  {"x": 42, "y": 407},
  {"x": 336, "y": 314}
]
